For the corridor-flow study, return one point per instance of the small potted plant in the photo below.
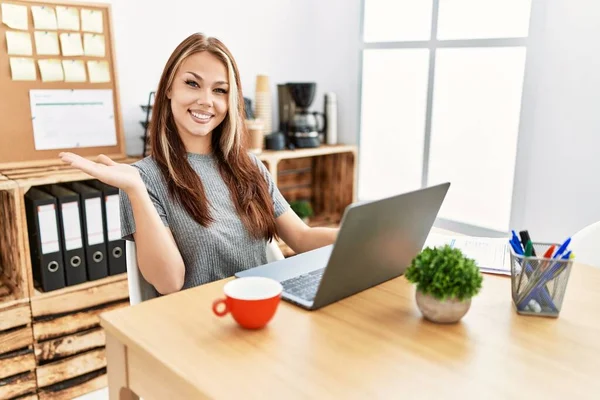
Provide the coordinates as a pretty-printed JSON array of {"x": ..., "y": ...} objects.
[
  {"x": 446, "y": 281},
  {"x": 302, "y": 208}
]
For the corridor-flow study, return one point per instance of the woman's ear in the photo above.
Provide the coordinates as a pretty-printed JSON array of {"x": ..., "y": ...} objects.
[{"x": 169, "y": 94}]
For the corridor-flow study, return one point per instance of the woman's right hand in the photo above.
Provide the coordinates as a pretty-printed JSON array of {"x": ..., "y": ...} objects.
[{"x": 122, "y": 176}]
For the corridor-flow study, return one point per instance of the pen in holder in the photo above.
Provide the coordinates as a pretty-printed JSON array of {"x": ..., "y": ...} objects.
[{"x": 539, "y": 284}]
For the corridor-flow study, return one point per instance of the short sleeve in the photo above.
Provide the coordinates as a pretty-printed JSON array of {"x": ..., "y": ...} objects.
[
  {"x": 126, "y": 211},
  {"x": 280, "y": 204}
]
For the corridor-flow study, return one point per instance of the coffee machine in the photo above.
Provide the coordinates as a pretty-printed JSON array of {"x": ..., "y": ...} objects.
[{"x": 301, "y": 126}]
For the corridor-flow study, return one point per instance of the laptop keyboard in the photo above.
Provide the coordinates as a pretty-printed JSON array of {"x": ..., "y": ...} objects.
[{"x": 304, "y": 286}]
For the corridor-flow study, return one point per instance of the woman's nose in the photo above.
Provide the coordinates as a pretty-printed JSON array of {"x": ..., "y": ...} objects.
[{"x": 204, "y": 97}]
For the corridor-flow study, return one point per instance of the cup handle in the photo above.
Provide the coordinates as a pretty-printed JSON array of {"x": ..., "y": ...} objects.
[{"x": 216, "y": 306}]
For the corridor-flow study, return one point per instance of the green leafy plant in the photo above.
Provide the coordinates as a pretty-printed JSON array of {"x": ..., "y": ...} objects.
[
  {"x": 445, "y": 273},
  {"x": 302, "y": 208}
]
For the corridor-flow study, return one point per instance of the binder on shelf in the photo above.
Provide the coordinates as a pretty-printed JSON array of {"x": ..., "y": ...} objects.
[
  {"x": 93, "y": 229},
  {"x": 71, "y": 233},
  {"x": 44, "y": 244},
  {"x": 112, "y": 227}
]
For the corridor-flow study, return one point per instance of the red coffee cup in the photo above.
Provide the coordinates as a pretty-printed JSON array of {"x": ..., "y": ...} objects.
[{"x": 252, "y": 301}]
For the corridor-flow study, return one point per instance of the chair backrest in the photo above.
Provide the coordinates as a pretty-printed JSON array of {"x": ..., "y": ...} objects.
[
  {"x": 585, "y": 244},
  {"x": 140, "y": 290},
  {"x": 273, "y": 252}
]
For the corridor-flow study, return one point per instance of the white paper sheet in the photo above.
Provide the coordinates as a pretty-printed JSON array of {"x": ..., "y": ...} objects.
[
  {"x": 94, "y": 45},
  {"x": 19, "y": 43},
  {"x": 68, "y": 18},
  {"x": 91, "y": 21},
  {"x": 64, "y": 119},
  {"x": 74, "y": 71},
  {"x": 51, "y": 70},
  {"x": 72, "y": 225},
  {"x": 491, "y": 254},
  {"x": 99, "y": 72},
  {"x": 48, "y": 228},
  {"x": 15, "y": 16},
  {"x": 22, "y": 69},
  {"x": 71, "y": 44},
  {"x": 44, "y": 17},
  {"x": 46, "y": 43}
]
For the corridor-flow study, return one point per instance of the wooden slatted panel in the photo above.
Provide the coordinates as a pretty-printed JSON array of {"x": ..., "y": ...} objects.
[
  {"x": 18, "y": 385},
  {"x": 17, "y": 315},
  {"x": 76, "y": 387},
  {"x": 16, "y": 363},
  {"x": 72, "y": 323},
  {"x": 69, "y": 345},
  {"x": 15, "y": 339},
  {"x": 68, "y": 368},
  {"x": 80, "y": 297}
]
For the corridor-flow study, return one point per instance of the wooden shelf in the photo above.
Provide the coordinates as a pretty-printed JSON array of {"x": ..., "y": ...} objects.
[
  {"x": 80, "y": 297},
  {"x": 82, "y": 286},
  {"x": 26, "y": 177},
  {"x": 277, "y": 155}
]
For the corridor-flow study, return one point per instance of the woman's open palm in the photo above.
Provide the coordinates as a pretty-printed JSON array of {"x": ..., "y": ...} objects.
[{"x": 123, "y": 176}]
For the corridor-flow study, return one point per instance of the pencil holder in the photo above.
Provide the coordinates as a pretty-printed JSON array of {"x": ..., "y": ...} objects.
[{"x": 539, "y": 284}]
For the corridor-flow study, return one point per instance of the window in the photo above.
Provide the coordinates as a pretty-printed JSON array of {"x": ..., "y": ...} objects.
[{"x": 441, "y": 100}]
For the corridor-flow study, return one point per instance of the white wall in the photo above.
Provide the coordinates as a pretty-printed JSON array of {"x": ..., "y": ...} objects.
[
  {"x": 558, "y": 172},
  {"x": 288, "y": 40}
]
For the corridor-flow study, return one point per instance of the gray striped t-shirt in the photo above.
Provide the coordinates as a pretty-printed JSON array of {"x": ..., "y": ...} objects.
[{"x": 225, "y": 246}]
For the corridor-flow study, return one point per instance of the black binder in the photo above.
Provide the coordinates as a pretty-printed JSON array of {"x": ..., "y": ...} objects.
[
  {"x": 112, "y": 227},
  {"x": 44, "y": 243},
  {"x": 93, "y": 230},
  {"x": 71, "y": 233}
]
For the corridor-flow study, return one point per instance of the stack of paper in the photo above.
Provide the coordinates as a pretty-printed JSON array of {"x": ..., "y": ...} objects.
[{"x": 491, "y": 254}]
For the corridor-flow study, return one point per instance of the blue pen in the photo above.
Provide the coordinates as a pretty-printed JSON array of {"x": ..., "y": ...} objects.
[
  {"x": 517, "y": 242},
  {"x": 562, "y": 248}
]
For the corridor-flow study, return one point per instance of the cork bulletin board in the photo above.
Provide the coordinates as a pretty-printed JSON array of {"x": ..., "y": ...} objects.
[{"x": 18, "y": 144}]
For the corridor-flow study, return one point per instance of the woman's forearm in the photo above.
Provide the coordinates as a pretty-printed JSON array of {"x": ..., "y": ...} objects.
[
  {"x": 158, "y": 257},
  {"x": 313, "y": 238}
]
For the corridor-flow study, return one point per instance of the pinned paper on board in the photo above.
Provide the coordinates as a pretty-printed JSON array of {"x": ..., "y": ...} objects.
[
  {"x": 22, "y": 69},
  {"x": 15, "y": 16},
  {"x": 46, "y": 43},
  {"x": 91, "y": 21},
  {"x": 44, "y": 17},
  {"x": 51, "y": 70},
  {"x": 71, "y": 44},
  {"x": 68, "y": 118},
  {"x": 99, "y": 71},
  {"x": 19, "y": 43},
  {"x": 94, "y": 45},
  {"x": 68, "y": 18},
  {"x": 74, "y": 71}
]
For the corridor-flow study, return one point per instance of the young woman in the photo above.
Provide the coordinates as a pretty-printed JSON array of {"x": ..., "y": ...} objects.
[{"x": 200, "y": 208}]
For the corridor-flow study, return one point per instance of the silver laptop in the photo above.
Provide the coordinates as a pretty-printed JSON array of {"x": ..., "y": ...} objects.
[{"x": 376, "y": 242}]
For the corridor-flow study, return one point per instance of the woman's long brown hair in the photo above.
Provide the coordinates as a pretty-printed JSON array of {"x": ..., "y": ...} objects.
[{"x": 247, "y": 185}]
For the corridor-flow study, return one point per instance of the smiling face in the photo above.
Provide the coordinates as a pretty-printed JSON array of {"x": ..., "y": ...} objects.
[{"x": 199, "y": 99}]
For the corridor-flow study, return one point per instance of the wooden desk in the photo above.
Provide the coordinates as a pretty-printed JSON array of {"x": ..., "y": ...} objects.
[{"x": 372, "y": 345}]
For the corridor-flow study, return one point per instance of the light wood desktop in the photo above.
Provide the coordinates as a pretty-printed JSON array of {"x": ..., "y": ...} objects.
[{"x": 374, "y": 344}]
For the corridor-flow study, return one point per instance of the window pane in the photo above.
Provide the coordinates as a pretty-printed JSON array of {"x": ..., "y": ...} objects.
[
  {"x": 475, "y": 122},
  {"x": 397, "y": 20},
  {"x": 483, "y": 19},
  {"x": 394, "y": 97}
]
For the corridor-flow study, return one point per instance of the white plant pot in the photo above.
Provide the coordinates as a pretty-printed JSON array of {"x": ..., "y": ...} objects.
[{"x": 442, "y": 312}]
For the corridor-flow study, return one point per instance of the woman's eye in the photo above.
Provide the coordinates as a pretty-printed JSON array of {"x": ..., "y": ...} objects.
[
  {"x": 222, "y": 91},
  {"x": 191, "y": 83}
]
